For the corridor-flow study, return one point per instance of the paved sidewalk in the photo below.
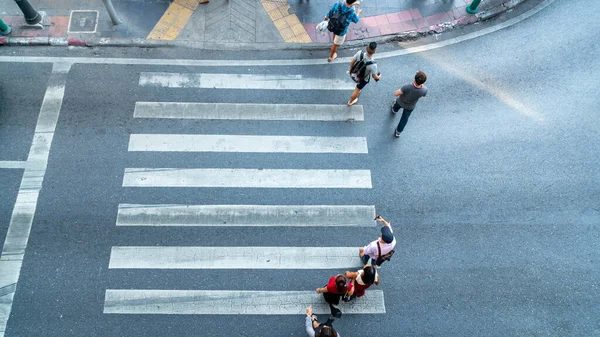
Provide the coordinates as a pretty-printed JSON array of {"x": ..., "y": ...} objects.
[{"x": 235, "y": 21}]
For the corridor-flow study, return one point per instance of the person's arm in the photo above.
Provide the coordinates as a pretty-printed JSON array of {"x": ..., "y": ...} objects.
[
  {"x": 379, "y": 218},
  {"x": 351, "y": 288},
  {"x": 376, "y": 279},
  {"x": 352, "y": 64},
  {"x": 377, "y": 77},
  {"x": 322, "y": 290},
  {"x": 309, "y": 322},
  {"x": 398, "y": 92},
  {"x": 351, "y": 274},
  {"x": 358, "y": 14}
]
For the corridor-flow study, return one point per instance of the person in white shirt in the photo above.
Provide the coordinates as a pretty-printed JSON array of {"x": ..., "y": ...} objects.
[{"x": 386, "y": 240}]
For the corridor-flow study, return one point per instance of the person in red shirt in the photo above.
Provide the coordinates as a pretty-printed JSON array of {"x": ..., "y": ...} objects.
[{"x": 337, "y": 287}]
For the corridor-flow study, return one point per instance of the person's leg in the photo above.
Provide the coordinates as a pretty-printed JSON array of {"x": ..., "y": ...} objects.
[
  {"x": 365, "y": 259},
  {"x": 356, "y": 92},
  {"x": 333, "y": 53},
  {"x": 403, "y": 121},
  {"x": 395, "y": 106},
  {"x": 337, "y": 41}
]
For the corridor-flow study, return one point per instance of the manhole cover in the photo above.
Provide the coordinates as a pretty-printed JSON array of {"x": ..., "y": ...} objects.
[{"x": 83, "y": 21}]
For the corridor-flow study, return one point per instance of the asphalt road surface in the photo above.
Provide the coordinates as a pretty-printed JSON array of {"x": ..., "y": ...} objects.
[{"x": 163, "y": 214}]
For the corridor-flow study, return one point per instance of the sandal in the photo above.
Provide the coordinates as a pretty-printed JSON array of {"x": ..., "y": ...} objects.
[
  {"x": 350, "y": 103},
  {"x": 331, "y": 59}
]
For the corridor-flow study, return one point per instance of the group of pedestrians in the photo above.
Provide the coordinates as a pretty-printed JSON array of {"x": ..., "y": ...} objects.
[
  {"x": 363, "y": 66},
  {"x": 352, "y": 284}
]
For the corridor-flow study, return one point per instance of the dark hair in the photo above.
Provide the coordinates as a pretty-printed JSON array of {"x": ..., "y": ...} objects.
[
  {"x": 372, "y": 47},
  {"x": 368, "y": 276},
  {"x": 420, "y": 77},
  {"x": 350, "y": 2},
  {"x": 326, "y": 331},
  {"x": 340, "y": 283}
]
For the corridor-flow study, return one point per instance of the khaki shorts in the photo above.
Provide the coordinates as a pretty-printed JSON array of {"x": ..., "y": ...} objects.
[{"x": 339, "y": 40}]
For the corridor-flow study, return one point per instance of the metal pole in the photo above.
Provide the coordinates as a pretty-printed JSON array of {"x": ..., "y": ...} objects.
[
  {"x": 4, "y": 28},
  {"x": 111, "y": 12},
  {"x": 32, "y": 17},
  {"x": 472, "y": 8}
]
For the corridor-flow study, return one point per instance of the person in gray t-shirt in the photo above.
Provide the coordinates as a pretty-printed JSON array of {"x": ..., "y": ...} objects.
[{"x": 408, "y": 95}]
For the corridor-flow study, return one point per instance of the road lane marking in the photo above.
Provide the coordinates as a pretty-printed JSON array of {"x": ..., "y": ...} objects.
[
  {"x": 249, "y": 111},
  {"x": 246, "y": 215},
  {"x": 10, "y": 164},
  {"x": 21, "y": 220},
  {"x": 253, "y": 178},
  {"x": 242, "y": 81},
  {"x": 179, "y": 257},
  {"x": 232, "y": 302},
  {"x": 245, "y": 143}
]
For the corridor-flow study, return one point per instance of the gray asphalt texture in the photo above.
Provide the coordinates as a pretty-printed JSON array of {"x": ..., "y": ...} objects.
[{"x": 492, "y": 191}]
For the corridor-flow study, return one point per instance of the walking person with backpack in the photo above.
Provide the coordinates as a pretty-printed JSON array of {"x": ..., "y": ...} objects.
[
  {"x": 362, "y": 68},
  {"x": 316, "y": 329},
  {"x": 361, "y": 280},
  {"x": 333, "y": 291},
  {"x": 408, "y": 95},
  {"x": 340, "y": 15},
  {"x": 382, "y": 249}
]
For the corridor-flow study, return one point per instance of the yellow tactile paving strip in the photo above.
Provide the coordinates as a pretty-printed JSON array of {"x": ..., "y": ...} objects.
[
  {"x": 172, "y": 22},
  {"x": 288, "y": 25}
]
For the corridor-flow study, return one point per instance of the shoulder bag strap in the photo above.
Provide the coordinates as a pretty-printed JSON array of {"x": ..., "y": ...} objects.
[{"x": 378, "y": 248}]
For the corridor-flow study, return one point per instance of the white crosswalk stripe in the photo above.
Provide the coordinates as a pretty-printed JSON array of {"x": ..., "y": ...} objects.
[
  {"x": 152, "y": 257},
  {"x": 242, "y": 81},
  {"x": 250, "y": 178},
  {"x": 243, "y": 143},
  {"x": 231, "y": 302},
  {"x": 246, "y": 215},
  {"x": 249, "y": 111}
]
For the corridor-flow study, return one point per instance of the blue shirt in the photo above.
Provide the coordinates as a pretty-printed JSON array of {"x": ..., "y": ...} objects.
[{"x": 352, "y": 17}]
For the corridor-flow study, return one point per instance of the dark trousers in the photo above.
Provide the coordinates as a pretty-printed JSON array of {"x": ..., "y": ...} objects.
[{"x": 404, "y": 119}]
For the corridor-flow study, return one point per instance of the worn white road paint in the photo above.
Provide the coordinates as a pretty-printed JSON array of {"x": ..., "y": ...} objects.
[
  {"x": 246, "y": 215},
  {"x": 246, "y": 143},
  {"x": 249, "y": 111},
  {"x": 10, "y": 164},
  {"x": 161, "y": 257},
  {"x": 271, "y": 63},
  {"x": 242, "y": 81},
  {"x": 257, "y": 178},
  {"x": 232, "y": 302},
  {"x": 21, "y": 220}
]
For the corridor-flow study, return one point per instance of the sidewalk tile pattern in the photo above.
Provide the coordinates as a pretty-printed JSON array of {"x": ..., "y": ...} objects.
[
  {"x": 172, "y": 22},
  {"x": 231, "y": 21},
  {"x": 287, "y": 24}
]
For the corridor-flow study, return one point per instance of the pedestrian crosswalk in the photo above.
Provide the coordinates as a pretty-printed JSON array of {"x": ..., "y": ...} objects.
[{"x": 221, "y": 214}]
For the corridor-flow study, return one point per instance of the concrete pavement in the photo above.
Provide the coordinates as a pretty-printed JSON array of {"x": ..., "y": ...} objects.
[{"x": 235, "y": 22}]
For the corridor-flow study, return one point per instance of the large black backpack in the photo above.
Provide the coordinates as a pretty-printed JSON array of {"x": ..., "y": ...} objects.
[
  {"x": 337, "y": 21},
  {"x": 360, "y": 67}
]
